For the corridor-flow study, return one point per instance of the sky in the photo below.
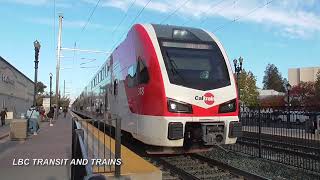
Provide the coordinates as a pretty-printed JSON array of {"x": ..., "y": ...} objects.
[{"x": 282, "y": 32}]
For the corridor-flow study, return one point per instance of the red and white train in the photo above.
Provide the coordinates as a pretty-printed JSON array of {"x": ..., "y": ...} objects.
[{"x": 172, "y": 86}]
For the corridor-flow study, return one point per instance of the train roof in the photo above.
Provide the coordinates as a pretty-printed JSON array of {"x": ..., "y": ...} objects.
[{"x": 193, "y": 34}]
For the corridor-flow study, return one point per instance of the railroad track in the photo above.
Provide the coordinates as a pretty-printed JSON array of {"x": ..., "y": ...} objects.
[
  {"x": 195, "y": 167},
  {"x": 191, "y": 166},
  {"x": 303, "y": 151}
]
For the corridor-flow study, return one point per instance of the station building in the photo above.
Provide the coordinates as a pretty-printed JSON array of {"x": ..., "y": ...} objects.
[{"x": 16, "y": 89}]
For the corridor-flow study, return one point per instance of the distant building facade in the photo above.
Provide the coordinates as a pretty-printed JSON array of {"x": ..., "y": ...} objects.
[
  {"x": 264, "y": 93},
  {"x": 297, "y": 75},
  {"x": 16, "y": 89}
]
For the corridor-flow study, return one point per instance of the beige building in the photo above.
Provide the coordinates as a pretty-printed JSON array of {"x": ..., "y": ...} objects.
[
  {"x": 16, "y": 89},
  {"x": 297, "y": 75}
]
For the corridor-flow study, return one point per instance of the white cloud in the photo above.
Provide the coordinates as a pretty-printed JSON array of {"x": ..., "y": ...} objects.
[{"x": 296, "y": 18}]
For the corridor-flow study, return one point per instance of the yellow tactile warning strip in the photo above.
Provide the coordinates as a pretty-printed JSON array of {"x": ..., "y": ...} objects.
[{"x": 131, "y": 162}]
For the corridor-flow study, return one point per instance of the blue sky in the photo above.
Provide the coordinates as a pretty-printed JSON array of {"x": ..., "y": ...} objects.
[{"x": 285, "y": 32}]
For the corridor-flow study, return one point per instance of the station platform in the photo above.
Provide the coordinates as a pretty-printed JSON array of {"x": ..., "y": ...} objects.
[
  {"x": 99, "y": 145},
  {"x": 50, "y": 143},
  {"x": 4, "y": 131}
]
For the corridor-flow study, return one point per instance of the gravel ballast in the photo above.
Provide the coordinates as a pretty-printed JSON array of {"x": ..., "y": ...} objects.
[{"x": 262, "y": 167}]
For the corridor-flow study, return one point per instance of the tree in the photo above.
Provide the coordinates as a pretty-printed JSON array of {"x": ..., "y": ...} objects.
[
  {"x": 40, "y": 87},
  {"x": 317, "y": 86},
  {"x": 273, "y": 101},
  {"x": 248, "y": 89},
  {"x": 304, "y": 94},
  {"x": 273, "y": 79}
]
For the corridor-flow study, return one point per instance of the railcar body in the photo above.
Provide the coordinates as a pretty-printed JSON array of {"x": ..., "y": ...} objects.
[{"x": 173, "y": 88}]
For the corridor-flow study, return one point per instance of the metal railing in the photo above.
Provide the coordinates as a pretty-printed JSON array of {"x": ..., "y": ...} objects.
[
  {"x": 289, "y": 137},
  {"x": 93, "y": 138}
]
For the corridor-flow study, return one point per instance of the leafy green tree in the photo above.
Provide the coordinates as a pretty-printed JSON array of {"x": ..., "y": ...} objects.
[
  {"x": 273, "y": 79},
  {"x": 248, "y": 88},
  {"x": 40, "y": 87}
]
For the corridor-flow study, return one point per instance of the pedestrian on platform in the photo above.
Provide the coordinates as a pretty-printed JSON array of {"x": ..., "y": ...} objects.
[
  {"x": 50, "y": 115},
  {"x": 33, "y": 120},
  {"x": 65, "y": 110},
  {"x": 3, "y": 115}
]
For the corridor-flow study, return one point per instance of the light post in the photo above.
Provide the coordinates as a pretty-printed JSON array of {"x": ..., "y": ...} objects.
[
  {"x": 50, "y": 94},
  {"x": 37, "y": 46},
  {"x": 238, "y": 69},
  {"x": 288, "y": 91},
  {"x": 50, "y": 89}
]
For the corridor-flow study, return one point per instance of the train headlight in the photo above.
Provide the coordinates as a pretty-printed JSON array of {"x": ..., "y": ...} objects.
[
  {"x": 229, "y": 106},
  {"x": 179, "y": 107}
]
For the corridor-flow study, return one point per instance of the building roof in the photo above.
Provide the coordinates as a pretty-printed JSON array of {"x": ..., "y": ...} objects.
[
  {"x": 269, "y": 92},
  {"x": 2, "y": 59}
]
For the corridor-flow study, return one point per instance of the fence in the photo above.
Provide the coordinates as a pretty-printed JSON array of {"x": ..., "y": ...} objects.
[
  {"x": 288, "y": 136},
  {"x": 94, "y": 147}
]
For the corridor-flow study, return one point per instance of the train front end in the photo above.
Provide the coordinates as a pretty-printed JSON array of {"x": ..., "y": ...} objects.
[{"x": 201, "y": 102}]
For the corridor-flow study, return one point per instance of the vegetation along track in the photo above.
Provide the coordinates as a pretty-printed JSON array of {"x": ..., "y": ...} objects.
[{"x": 195, "y": 167}]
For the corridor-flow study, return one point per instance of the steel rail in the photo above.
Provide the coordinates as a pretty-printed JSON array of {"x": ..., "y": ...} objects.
[
  {"x": 180, "y": 172},
  {"x": 235, "y": 171}
]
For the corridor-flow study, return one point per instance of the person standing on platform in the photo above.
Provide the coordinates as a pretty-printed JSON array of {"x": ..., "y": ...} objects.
[
  {"x": 3, "y": 115},
  {"x": 33, "y": 120},
  {"x": 65, "y": 110}
]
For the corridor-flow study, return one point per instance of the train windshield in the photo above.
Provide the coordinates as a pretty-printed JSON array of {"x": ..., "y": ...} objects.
[{"x": 197, "y": 66}]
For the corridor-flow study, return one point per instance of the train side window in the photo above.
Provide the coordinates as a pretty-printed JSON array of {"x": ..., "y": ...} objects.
[
  {"x": 115, "y": 87},
  {"x": 132, "y": 75},
  {"x": 143, "y": 72}
]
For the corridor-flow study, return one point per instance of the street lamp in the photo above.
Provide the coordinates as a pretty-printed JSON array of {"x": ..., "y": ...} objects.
[
  {"x": 37, "y": 46},
  {"x": 238, "y": 69},
  {"x": 50, "y": 89},
  {"x": 288, "y": 86}
]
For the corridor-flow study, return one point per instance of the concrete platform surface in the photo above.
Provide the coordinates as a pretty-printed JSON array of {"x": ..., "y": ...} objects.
[{"x": 50, "y": 143}]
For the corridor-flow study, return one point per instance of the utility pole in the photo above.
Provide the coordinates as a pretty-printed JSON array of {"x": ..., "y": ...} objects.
[
  {"x": 64, "y": 88},
  {"x": 58, "y": 66}
]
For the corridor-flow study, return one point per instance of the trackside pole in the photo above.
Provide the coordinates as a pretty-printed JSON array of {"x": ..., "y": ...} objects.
[
  {"x": 58, "y": 66},
  {"x": 118, "y": 146}
]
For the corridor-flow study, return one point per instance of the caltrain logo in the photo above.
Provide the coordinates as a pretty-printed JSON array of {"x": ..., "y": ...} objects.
[{"x": 207, "y": 98}]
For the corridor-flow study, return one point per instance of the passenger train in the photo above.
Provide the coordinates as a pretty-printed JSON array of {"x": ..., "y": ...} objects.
[{"x": 172, "y": 87}]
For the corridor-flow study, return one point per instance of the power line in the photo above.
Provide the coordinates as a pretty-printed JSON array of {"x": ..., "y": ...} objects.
[
  {"x": 240, "y": 17},
  {"x": 125, "y": 16},
  {"x": 54, "y": 24},
  {"x": 89, "y": 18},
  {"x": 206, "y": 11},
  {"x": 177, "y": 9},
  {"x": 203, "y": 20},
  {"x": 134, "y": 19}
]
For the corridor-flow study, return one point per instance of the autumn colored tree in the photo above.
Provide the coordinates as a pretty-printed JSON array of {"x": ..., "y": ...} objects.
[
  {"x": 317, "y": 87},
  {"x": 273, "y": 101},
  {"x": 304, "y": 94}
]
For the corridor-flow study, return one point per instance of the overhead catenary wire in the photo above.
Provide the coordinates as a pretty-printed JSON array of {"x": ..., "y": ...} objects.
[
  {"x": 124, "y": 17},
  {"x": 176, "y": 10},
  {"x": 90, "y": 16},
  {"x": 245, "y": 15},
  {"x": 132, "y": 22},
  {"x": 221, "y": 8},
  {"x": 54, "y": 24},
  {"x": 205, "y": 11}
]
